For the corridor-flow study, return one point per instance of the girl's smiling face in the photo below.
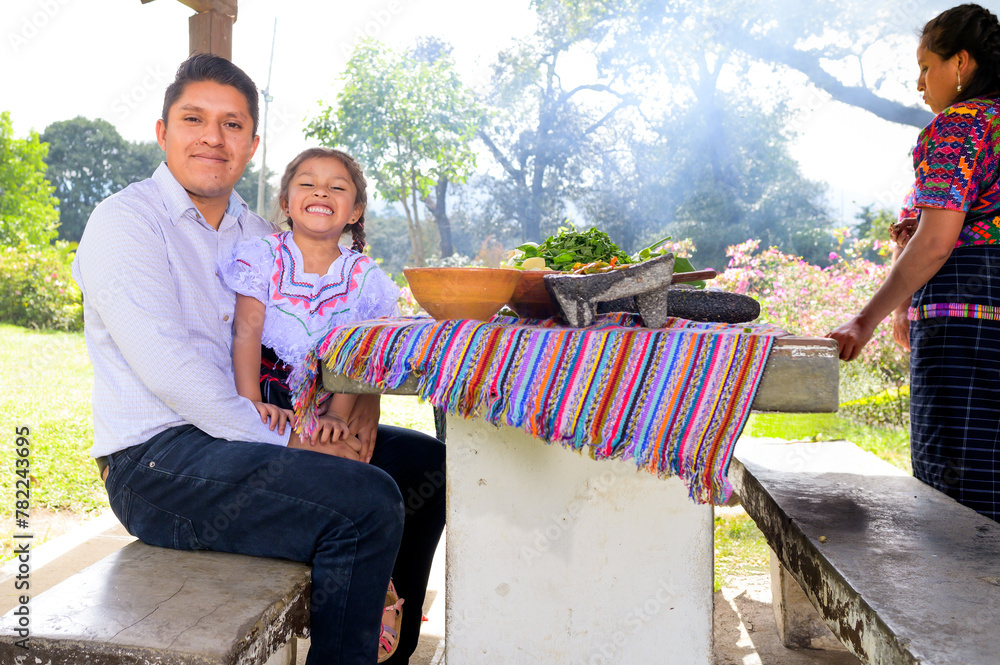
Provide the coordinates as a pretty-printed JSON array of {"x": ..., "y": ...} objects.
[{"x": 321, "y": 199}]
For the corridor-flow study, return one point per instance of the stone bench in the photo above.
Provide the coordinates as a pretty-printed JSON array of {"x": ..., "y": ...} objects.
[
  {"x": 144, "y": 605},
  {"x": 898, "y": 571}
]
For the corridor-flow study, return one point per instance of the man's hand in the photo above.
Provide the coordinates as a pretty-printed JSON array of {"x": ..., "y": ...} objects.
[
  {"x": 363, "y": 423},
  {"x": 278, "y": 416}
]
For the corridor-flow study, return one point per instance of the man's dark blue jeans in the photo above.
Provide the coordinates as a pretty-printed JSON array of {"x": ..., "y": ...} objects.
[{"x": 184, "y": 489}]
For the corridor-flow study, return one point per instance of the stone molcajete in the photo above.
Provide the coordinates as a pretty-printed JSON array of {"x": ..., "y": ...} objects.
[
  {"x": 578, "y": 295},
  {"x": 645, "y": 288}
]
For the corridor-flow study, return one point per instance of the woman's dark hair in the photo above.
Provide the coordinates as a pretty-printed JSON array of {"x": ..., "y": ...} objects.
[
  {"x": 205, "y": 67},
  {"x": 357, "y": 229},
  {"x": 976, "y": 30}
]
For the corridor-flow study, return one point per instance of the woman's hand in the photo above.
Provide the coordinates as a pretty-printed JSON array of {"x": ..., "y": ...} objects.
[
  {"x": 278, "y": 417},
  {"x": 931, "y": 245},
  {"x": 363, "y": 423},
  {"x": 852, "y": 336},
  {"x": 901, "y": 328},
  {"x": 903, "y": 230}
]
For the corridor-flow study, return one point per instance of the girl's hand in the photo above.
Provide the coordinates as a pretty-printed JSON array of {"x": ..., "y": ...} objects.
[
  {"x": 852, "y": 336},
  {"x": 330, "y": 429},
  {"x": 346, "y": 449},
  {"x": 278, "y": 416},
  {"x": 901, "y": 329}
]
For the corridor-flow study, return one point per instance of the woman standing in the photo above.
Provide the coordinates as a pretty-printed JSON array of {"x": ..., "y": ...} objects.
[{"x": 950, "y": 265}]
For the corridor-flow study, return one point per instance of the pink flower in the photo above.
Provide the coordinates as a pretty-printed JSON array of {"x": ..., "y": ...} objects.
[{"x": 833, "y": 256}]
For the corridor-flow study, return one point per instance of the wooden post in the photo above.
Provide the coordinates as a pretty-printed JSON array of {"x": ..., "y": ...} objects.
[
  {"x": 211, "y": 32},
  {"x": 211, "y": 29}
]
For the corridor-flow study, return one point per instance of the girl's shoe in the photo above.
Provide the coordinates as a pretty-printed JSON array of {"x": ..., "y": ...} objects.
[{"x": 392, "y": 621}]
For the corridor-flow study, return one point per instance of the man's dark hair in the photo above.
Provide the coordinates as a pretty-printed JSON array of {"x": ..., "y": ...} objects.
[{"x": 206, "y": 67}]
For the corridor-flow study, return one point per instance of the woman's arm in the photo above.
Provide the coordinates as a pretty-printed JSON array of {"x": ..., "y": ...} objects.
[
  {"x": 901, "y": 315},
  {"x": 924, "y": 254},
  {"x": 248, "y": 326}
]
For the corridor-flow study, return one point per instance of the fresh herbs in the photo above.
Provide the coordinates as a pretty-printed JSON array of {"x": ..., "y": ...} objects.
[
  {"x": 588, "y": 251},
  {"x": 568, "y": 247}
]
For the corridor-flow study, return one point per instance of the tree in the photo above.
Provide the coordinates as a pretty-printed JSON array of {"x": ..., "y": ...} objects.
[
  {"x": 84, "y": 162},
  {"x": 820, "y": 38},
  {"x": 142, "y": 158},
  {"x": 543, "y": 134},
  {"x": 432, "y": 51},
  {"x": 851, "y": 50},
  {"x": 247, "y": 189},
  {"x": 89, "y": 161},
  {"x": 410, "y": 122},
  {"x": 27, "y": 208},
  {"x": 711, "y": 164}
]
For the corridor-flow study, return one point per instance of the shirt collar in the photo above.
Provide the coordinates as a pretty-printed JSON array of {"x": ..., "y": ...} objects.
[{"x": 178, "y": 202}]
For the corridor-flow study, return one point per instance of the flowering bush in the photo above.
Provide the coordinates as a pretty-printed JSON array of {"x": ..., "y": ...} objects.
[
  {"x": 408, "y": 305},
  {"x": 805, "y": 299},
  {"x": 39, "y": 291}
]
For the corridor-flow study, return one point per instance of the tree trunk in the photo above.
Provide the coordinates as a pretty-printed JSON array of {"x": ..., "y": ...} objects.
[
  {"x": 439, "y": 208},
  {"x": 419, "y": 235},
  {"x": 416, "y": 239}
]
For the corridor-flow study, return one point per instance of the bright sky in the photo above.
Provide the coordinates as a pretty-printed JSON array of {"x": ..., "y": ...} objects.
[{"x": 112, "y": 59}]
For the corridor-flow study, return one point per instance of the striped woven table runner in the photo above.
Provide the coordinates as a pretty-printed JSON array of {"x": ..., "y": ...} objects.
[{"x": 673, "y": 400}]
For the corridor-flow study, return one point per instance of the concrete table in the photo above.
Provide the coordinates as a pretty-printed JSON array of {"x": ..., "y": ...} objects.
[{"x": 553, "y": 557}]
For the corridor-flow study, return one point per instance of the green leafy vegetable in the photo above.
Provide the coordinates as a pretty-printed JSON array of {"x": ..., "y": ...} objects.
[{"x": 569, "y": 247}]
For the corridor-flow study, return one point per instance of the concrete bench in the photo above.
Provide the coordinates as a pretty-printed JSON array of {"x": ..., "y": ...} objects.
[
  {"x": 144, "y": 605},
  {"x": 898, "y": 571}
]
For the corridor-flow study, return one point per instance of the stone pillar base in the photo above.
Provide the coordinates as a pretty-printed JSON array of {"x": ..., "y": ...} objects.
[{"x": 799, "y": 624}]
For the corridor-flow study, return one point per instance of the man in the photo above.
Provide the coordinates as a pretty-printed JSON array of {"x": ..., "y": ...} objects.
[{"x": 187, "y": 462}]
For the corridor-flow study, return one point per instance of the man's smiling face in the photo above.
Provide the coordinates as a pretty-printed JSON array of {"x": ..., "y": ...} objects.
[{"x": 208, "y": 137}]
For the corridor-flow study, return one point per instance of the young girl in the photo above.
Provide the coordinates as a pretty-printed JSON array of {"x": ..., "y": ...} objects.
[{"x": 293, "y": 286}]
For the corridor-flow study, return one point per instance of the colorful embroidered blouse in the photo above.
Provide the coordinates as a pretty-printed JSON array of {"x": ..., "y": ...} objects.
[
  {"x": 955, "y": 164},
  {"x": 301, "y": 307}
]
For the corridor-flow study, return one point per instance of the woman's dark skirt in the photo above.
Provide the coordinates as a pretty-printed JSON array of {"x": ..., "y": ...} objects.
[{"x": 955, "y": 409}]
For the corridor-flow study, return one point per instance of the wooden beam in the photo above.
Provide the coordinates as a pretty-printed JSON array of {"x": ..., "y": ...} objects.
[
  {"x": 224, "y": 7},
  {"x": 211, "y": 32}
]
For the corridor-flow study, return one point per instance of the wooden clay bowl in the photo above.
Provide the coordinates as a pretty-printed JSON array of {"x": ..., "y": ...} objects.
[
  {"x": 462, "y": 293},
  {"x": 531, "y": 300}
]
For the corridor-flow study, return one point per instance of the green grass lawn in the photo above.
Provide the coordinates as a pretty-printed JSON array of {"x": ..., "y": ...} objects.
[{"x": 49, "y": 386}]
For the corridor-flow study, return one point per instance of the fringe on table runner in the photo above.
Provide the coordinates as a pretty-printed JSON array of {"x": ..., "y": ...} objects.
[{"x": 674, "y": 400}]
